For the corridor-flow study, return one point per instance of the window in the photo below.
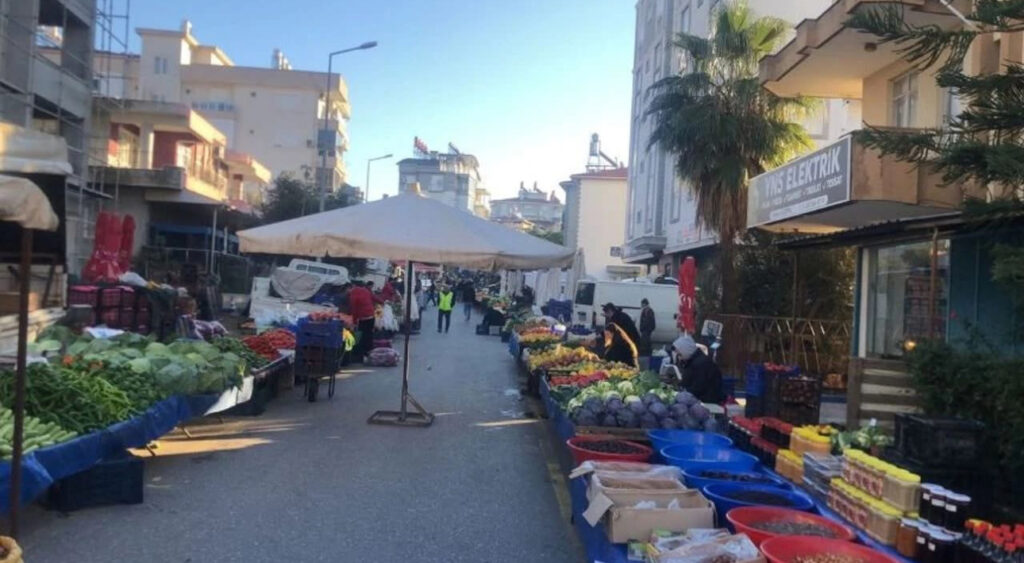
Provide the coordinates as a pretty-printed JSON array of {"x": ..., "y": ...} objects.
[
  {"x": 904, "y": 100},
  {"x": 585, "y": 293},
  {"x": 684, "y": 27},
  {"x": 952, "y": 106},
  {"x": 159, "y": 65},
  {"x": 899, "y": 291}
]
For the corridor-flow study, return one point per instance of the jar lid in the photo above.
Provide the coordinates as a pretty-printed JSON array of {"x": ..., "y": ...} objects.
[
  {"x": 956, "y": 497},
  {"x": 942, "y": 536},
  {"x": 910, "y": 523}
]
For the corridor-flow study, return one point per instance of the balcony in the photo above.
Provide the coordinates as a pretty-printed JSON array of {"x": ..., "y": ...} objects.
[
  {"x": 60, "y": 87},
  {"x": 170, "y": 178},
  {"x": 847, "y": 185},
  {"x": 826, "y": 59}
]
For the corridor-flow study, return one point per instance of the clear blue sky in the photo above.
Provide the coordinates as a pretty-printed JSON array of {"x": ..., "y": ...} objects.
[{"x": 520, "y": 83}]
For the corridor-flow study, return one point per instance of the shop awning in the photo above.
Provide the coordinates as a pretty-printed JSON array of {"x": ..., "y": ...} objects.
[
  {"x": 32, "y": 152},
  {"x": 180, "y": 196}
]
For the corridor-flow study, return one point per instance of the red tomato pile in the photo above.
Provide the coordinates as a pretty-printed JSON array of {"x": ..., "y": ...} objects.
[
  {"x": 319, "y": 317},
  {"x": 579, "y": 380},
  {"x": 268, "y": 343}
]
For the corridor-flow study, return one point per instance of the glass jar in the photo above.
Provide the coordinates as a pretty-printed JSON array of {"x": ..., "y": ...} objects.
[
  {"x": 923, "y": 533},
  {"x": 925, "y": 507},
  {"x": 940, "y": 547},
  {"x": 957, "y": 508},
  {"x": 906, "y": 539},
  {"x": 937, "y": 514}
]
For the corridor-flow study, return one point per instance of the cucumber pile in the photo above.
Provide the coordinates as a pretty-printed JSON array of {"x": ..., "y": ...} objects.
[{"x": 38, "y": 434}]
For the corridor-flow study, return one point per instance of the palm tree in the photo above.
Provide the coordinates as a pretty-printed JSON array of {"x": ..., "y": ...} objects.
[{"x": 723, "y": 128}]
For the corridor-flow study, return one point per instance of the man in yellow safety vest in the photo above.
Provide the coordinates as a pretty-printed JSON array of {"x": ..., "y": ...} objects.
[{"x": 445, "y": 302}]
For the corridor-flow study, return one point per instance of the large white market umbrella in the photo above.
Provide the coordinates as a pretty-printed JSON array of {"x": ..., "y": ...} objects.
[
  {"x": 411, "y": 228},
  {"x": 407, "y": 227}
]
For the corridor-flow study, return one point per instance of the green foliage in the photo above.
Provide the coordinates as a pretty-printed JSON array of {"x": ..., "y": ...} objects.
[
  {"x": 722, "y": 127},
  {"x": 983, "y": 144},
  {"x": 975, "y": 382},
  {"x": 290, "y": 198},
  {"x": 551, "y": 236}
]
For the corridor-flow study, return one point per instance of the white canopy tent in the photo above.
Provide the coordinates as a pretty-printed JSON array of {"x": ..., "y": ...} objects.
[{"x": 408, "y": 228}]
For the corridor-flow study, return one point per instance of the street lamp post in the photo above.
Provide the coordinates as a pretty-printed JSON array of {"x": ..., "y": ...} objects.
[
  {"x": 367, "y": 190},
  {"x": 322, "y": 177}
]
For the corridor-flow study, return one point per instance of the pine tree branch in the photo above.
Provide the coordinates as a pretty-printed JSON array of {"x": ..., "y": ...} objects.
[{"x": 921, "y": 46}]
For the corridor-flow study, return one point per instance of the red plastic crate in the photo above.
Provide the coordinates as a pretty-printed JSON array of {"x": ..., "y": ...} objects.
[
  {"x": 117, "y": 296},
  {"x": 111, "y": 318},
  {"x": 83, "y": 295}
]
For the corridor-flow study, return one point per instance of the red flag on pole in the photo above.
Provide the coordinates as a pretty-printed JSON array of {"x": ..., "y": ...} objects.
[{"x": 687, "y": 321}]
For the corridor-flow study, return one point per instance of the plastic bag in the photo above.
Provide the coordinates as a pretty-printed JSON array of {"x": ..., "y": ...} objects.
[
  {"x": 131, "y": 278},
  {"x": 387, "y": 320},
  {"x": 382, "y": 357}
]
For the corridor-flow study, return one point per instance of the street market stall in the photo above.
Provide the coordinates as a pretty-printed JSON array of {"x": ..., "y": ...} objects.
[
  {"x": 765, "y": 479},
  {"x": 406, "y": 228}
]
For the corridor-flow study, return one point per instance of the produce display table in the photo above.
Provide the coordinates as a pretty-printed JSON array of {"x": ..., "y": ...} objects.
[
  {"x": 44, "y": 466},
  {"x": 594, "y": 539}
]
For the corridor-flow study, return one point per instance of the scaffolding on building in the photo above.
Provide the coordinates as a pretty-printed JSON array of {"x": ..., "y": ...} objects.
[{"x": 46, "y": 73}]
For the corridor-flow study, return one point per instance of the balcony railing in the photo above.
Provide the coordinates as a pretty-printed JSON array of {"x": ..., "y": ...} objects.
[{"x": 818, "y": 346}]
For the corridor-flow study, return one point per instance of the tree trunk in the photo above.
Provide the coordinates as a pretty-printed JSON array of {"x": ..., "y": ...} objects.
[{"x": 730, "y": 280}]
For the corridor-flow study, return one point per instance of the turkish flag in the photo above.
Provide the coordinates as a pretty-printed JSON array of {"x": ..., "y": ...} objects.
[{"x": 687, "y": 320}]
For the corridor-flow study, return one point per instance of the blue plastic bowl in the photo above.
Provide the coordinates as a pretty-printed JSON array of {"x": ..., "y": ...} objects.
[
  {"x": 716, "y": 494},
  {"x": 698, "y": 458},
  {"x": 694, "y": 480},
  {"x": 662, "y": 439}
]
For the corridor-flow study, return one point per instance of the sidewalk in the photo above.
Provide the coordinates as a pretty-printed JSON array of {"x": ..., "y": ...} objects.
[{"x": 314, "y": 482}]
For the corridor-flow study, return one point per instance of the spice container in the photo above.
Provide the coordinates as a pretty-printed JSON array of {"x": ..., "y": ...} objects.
[
  {"x": 906, "y": 538},
  {"x": 902, "y": 489}
]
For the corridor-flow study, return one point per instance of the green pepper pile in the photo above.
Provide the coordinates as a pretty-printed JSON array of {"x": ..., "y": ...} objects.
[
  {"x": 236, "y": 346},
  {"x": 73, "y": 400}
]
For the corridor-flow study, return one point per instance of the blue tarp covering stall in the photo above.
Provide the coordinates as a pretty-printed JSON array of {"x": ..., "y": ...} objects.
[{"x": 44, "y": 466}]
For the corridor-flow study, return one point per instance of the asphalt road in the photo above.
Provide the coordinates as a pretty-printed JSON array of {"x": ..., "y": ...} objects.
[{"x": 314, "y": 482}]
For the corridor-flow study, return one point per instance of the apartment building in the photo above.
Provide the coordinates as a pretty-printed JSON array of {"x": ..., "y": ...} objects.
[
  {"x": 661, "y": 226},
  {"x": 452, "y": 178},
  {"x": 275, "y": 114},
  {"x": 530, "y": 209},
  {"x": 593, "y": 221},
  {"x": 923, "y": 271},
  {"x": 51, "y": 93}
]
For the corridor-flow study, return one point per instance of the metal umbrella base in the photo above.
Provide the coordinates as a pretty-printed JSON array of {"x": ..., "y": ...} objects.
[{"x": 418, "y": 417}]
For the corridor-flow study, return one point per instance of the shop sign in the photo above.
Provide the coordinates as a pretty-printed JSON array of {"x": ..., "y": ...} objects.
[{"x": 811, "y": 183}]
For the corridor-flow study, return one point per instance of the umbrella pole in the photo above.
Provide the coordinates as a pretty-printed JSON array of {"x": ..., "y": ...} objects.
[
  {"x": 24, "y": 281},
  {"x": 408, "y": 331},
  {"x": 403, "y": 417}
]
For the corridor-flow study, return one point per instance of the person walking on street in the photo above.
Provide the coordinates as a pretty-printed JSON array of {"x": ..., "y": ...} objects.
[
  {"x": 361, "y": 307},
  {"x": 432, "y": 293},
  {"x": 468, "y": 298},
  {"x": 445, "y": 304},
  {"x": 647, "y": 326}
]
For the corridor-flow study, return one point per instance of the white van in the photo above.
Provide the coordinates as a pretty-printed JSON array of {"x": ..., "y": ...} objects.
[{"x": 591, "y": 295}]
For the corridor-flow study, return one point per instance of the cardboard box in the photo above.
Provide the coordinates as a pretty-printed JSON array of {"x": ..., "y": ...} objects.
[
  {"x": 9, "y": 302},
  {"x": 623, "y": 521},
  {"x": 737, "y": 548},
  {"x": 632, "y": 489}
]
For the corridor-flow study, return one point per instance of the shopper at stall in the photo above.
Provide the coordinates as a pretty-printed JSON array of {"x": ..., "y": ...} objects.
[
  {"x": 701, "y": 375},
  {"x": 613, "y": 314},
  {"x": 361, "y": 305},
  {"x": 468, "y": 298},
  {"x": 618, "y": 346},
  {"x": 388, "y": 293},
  {"x": 445, "y": 303}
]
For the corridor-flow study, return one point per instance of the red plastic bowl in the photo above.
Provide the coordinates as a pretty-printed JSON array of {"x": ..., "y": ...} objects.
[
  {"x": 744, "y": 518},
  {"x": 784, "y": 549},
  {"x": 580, "y": 455}
]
